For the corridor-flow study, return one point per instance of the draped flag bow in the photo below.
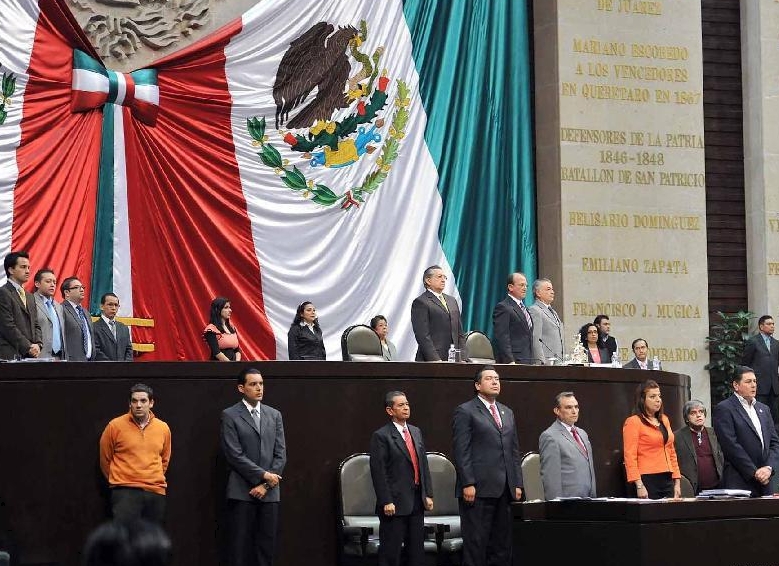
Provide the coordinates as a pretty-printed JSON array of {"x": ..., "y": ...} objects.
[{"x": 94, "y": 85}]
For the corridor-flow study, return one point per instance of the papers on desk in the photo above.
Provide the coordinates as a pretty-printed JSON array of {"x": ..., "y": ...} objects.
[{"x": 723, "y": 493}]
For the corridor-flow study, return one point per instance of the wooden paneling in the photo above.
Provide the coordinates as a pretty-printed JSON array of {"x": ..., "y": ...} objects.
[{"x": 723, "y": 126}]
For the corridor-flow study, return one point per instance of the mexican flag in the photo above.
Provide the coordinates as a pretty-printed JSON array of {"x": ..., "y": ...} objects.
[{"x": 281, "y": 159}]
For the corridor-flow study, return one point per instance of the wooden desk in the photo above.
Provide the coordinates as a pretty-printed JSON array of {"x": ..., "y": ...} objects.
[
  {"x": 52, "y": 493},
  {"x": 736, "y": 532}
]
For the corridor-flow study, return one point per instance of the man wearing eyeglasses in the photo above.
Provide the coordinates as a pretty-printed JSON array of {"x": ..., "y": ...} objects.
[
  {"x": 79, "y": 333},
  {"x": 697, "y": 449}
]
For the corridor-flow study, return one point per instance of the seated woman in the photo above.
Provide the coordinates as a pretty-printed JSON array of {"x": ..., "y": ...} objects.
[
  {"x": 304, "y": 339},
  {"x": 220, "y": 334},
  {"x": 589, "y": 336},
  {"x": 388, "y": 350}
]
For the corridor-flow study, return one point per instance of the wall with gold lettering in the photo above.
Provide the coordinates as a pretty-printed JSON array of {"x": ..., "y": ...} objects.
[
  {"x": 620, "y": 158},
  {"x": 760, "y": 40}
]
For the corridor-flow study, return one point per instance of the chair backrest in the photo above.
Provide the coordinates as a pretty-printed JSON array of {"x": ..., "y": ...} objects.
[
  {"x": 360, "y": 343},
  {"x": 355, "y": 488},
  {"x": 443, "y": 476},
  {"x": 479, "y": 348},
  {"x": 686, "y": 485},
  {"x": 531, "y": 476}
]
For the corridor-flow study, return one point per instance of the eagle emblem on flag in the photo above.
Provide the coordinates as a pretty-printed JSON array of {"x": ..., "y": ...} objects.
[{"x": 320, "y": 62}]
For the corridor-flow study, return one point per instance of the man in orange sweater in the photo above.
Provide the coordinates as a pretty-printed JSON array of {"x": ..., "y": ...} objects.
[{"x": 134, "y": 457}]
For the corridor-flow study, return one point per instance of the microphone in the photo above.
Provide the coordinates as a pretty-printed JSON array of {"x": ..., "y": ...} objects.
[{"x": 555, "y": 357}]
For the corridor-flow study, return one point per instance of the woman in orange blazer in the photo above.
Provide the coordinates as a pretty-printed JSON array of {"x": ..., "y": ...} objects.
[{"x": 648, "y": 443}]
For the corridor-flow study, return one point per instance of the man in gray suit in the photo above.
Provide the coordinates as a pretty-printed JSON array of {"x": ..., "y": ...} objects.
[
  {"x": 548, "y": 342},
  {"x": 50, "y": 315},
  {"x": 435, "y": 319},
  {"x": 112, "y": 338},
  {"x": 489, "y": 473},
  {"x": 761, "y": 353},
  {"x": 697, "y": 449},
  {"x": 79, "y": 333},
  {"x": 566, "y": 453},
  {"x": 253, "y": 443},
  {"x": 20, "y": 332}
]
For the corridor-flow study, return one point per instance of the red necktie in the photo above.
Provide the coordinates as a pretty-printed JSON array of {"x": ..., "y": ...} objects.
[
  {"x": 495, "y": 416},
  {"x": 578, "y": 440},
  {"x": 413, "y": 453}
]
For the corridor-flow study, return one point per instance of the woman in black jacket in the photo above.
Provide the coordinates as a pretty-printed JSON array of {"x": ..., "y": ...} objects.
[{"x": 304, "y": 339}]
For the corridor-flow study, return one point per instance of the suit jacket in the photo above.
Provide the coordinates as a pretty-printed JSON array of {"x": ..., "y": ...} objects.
[
  {"x": 633, "y": 364},
  {"x": 764, "y": 362},
  {"x": 74, "y": 340},
  {"x": 119, "y": 349},
  {"x": 435, "y": 329},
  {"x": 610, "y": 344},
  {"x": 251, "y": 452},
  {"x": 47, "y": 326},
  {"x": 302, "y": 344},
  {"x": 741, "y": 446},
  {"x": 485, "y": 456},
  {"x": 392, "y": 471},
  {"x": 688, "y": 461},
  {"x": 549, "y": 329},
  {"x": 565, "y": 471},
  {"x": 19, "y": 326},
  {"x": 390, "y": 353},
  {"x": 512, "y": 336}
]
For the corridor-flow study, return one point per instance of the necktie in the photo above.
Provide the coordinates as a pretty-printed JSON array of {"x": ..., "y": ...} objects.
[
  {"x": 84, "y": 329},
  {"x": 112, "y": 326},
  {"x": 413, "y": 453},
  {"x": 529, "y": 320},
  {"x": 56, "y": 333},
  {"x": 767, "y": 341},
  {"x": 554, "y": 314},
  {"x": 256, "y": 418},
  {"x": 578, "y": 440},
  {"x": 443, "y": 302},
  {"x": 22, "y": 296},
  {"x": 494, "y": 411}
]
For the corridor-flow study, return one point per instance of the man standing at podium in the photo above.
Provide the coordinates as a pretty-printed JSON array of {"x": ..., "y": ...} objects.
[
  {"x": 401, "y": 480},
  {"x": 20, "y": 332},
  {"x": 566, "y": 453},
  {"x": 435, "y": 318},
  {"x": 747, "y": 436},
  {"x": 255, "y": 450},
  {"x": 489, "y": 474}
]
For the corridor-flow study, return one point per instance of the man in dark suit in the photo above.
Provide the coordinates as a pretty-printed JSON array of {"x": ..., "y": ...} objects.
[
  {"x": 20, "y": 332},
  {"x": 640, "y": 360},
  {"x": 605, "y": 339},
  {"x": 79, "y": 332},
  {"x": 112, "y": 338},
  {"x": 50, "y": 315},
  {"x": 489, "y": 476},
  {"x": 747, "y": 436},
  {"x": 253, "y": 443},
  {"x": 512, "y": 326},
  {"x": 401, "y": 480},
  {"x": 435, "y": 319},
  {"x": 761, "y": 353},
  {"x": 697, "y": 449}
]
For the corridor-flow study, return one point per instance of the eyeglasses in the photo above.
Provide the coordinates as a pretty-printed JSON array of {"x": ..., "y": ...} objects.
[{"x": 79, "y": 287}]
